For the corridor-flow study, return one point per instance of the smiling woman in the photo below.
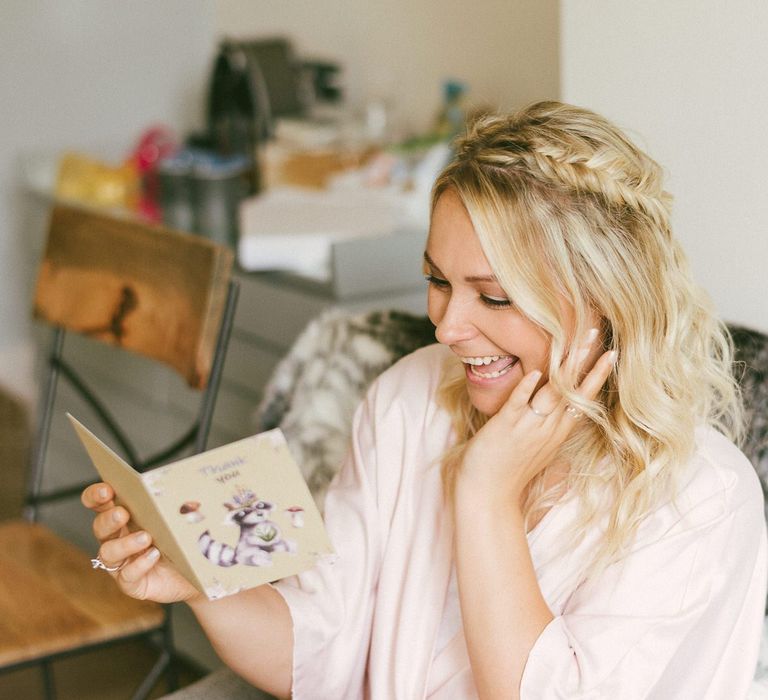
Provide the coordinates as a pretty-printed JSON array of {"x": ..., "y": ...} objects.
[
  {"x": 593, "y": 531},
  {"x": 473, "y": 314},
  {"x": 557, "y": 214}
]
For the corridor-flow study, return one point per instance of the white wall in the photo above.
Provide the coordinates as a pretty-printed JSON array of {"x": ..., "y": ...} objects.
[
  {"x": 689, "y": 78},
  {"x": 506, "y": 50},
  {"x": 79, "y": 74}
]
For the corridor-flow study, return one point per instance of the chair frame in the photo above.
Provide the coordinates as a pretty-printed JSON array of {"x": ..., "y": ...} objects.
[
  {"x": 58, "y": 366},
  {"x": 196, "y": 436}
]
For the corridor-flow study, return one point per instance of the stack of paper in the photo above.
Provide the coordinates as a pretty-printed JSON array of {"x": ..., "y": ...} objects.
[{"x": 294, "y": 229}]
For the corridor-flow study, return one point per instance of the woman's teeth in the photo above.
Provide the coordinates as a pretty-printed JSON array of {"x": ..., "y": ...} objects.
[
  {"x": 482, "y": 360},
  {"x": 491, "y": 375},
  {"x": 476, "y": 362}
]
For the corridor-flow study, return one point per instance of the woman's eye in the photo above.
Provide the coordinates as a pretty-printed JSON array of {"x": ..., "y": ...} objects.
[
  {"x": 496, "y": 302},
  {"x": 437, "y": 282}
]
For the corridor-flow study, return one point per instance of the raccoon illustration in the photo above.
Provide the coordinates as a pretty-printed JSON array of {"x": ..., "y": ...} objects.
[{"x": 259, "y": 537}]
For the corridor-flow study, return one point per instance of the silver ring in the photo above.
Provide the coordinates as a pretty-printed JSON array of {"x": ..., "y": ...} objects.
[
  {"x": 539, "y": 413},
  {"x": 97, "y": 563},
  {"x": 573, "y": 412}
]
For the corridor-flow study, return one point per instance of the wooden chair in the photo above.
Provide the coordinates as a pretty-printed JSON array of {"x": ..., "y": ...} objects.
[{"x": 162, "y": 294}]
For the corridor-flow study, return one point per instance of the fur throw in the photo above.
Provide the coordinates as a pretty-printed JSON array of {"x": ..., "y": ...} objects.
[
  {"x": 316, "y": 388},
  {"x": 752, "y": 372}
]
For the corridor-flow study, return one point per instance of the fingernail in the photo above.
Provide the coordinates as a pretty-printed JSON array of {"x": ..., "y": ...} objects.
[
  {"x": 117, "y": 516},
  {"x": 591, "y": 335},
  {"x": 153, "y": 553},
  {"x": 612, "y": 355},
  {"x": 142, "y": 538},
  {"x": 102, "y": 493},
  {"x": 582, "y": 354},
  {"x": 536, "y": 375}
]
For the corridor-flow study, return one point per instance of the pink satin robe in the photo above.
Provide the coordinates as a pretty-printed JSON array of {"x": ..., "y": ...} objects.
[{"x": 679, "y": 617}]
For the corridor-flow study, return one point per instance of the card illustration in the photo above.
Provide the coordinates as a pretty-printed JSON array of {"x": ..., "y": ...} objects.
[{"x": 259, "y": 536}]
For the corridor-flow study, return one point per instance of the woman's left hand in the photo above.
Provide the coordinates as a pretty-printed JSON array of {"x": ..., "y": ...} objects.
[{"x": 524, "y": 436}]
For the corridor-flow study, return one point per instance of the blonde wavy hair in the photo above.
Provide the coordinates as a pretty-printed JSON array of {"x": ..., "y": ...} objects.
[{"x": 566, "y": 206}]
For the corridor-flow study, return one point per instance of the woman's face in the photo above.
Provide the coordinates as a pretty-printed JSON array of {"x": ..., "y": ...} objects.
[{"x": 497, "y": 344}]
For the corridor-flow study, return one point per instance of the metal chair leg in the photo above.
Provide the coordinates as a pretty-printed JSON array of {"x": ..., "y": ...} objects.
[
  {"x": 49, "y": 685},
  {"x": 171, "y": 675},
  {"x": 214, "y": 377},
  {"x": 44, "y": 427},
  {"x": 151, "y": 679},
  {"x": 164, "y": 663}
]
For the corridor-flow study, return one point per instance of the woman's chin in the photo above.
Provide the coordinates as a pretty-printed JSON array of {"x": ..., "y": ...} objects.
[{"x": 489, "y": 395}]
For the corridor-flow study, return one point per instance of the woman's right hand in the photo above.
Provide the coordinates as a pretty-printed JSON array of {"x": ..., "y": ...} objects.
[{"x": 144, "y": 573}]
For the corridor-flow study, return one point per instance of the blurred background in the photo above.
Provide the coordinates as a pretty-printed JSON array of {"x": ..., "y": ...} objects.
[{"x": 686, "y": 79}]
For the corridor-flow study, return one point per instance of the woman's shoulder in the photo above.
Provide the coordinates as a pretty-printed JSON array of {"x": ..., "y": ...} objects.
[
  {"x": 718, "y": 480},
  {"x": 719, "y": 465},
  {"x": 401, "y": 420},
  {"x": 407, "y": 391},
  {"x": 716, "y": 489},
  {"x": 417, "y": 374}
]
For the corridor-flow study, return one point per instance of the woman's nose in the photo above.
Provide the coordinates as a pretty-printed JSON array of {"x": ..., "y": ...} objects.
[{"x": 453, "y": 322}]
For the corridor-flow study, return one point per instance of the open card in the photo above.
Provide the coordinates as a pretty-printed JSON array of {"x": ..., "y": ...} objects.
[{"x": 228, "y": 519}]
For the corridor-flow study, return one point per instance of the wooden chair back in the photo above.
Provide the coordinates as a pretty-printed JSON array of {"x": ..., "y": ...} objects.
[{"x": 148, "y": 289}]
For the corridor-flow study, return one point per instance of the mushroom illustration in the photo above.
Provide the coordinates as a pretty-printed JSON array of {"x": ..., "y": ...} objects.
[
  {"x": 297, "y": 515},
  {"x": 191, "y": 509}
]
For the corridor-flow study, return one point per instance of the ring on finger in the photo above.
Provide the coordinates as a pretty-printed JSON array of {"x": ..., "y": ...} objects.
[
  {"x": 573, "y": 412},
  {"x": 539, "y": 413},
  {"x": 98, "y": 563}
]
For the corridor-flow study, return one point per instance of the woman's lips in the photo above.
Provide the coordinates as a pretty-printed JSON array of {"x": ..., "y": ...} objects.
[{"x": 486, "y": 374}]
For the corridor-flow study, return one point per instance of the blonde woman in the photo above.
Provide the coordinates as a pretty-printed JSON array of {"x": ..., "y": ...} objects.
[{"x": 544, "y": 504}]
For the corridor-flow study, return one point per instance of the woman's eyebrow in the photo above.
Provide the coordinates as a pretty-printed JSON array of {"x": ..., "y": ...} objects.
[{"x": 471, "y": 278}]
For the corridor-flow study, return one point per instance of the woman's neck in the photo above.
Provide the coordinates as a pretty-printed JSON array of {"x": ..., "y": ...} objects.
[{"x": 550, "y": 480}]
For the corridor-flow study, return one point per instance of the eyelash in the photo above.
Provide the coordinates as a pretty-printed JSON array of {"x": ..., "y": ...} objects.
[{"x": 490, "y": 302}]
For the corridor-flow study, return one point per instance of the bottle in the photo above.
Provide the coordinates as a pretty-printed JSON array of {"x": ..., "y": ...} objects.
[{"x": 451, "y": 118}]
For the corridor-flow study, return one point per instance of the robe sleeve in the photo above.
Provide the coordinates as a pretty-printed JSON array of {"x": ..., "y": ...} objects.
[
  {"x": 679, "y": 617},
  {"x": 332, "y": 604}
]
